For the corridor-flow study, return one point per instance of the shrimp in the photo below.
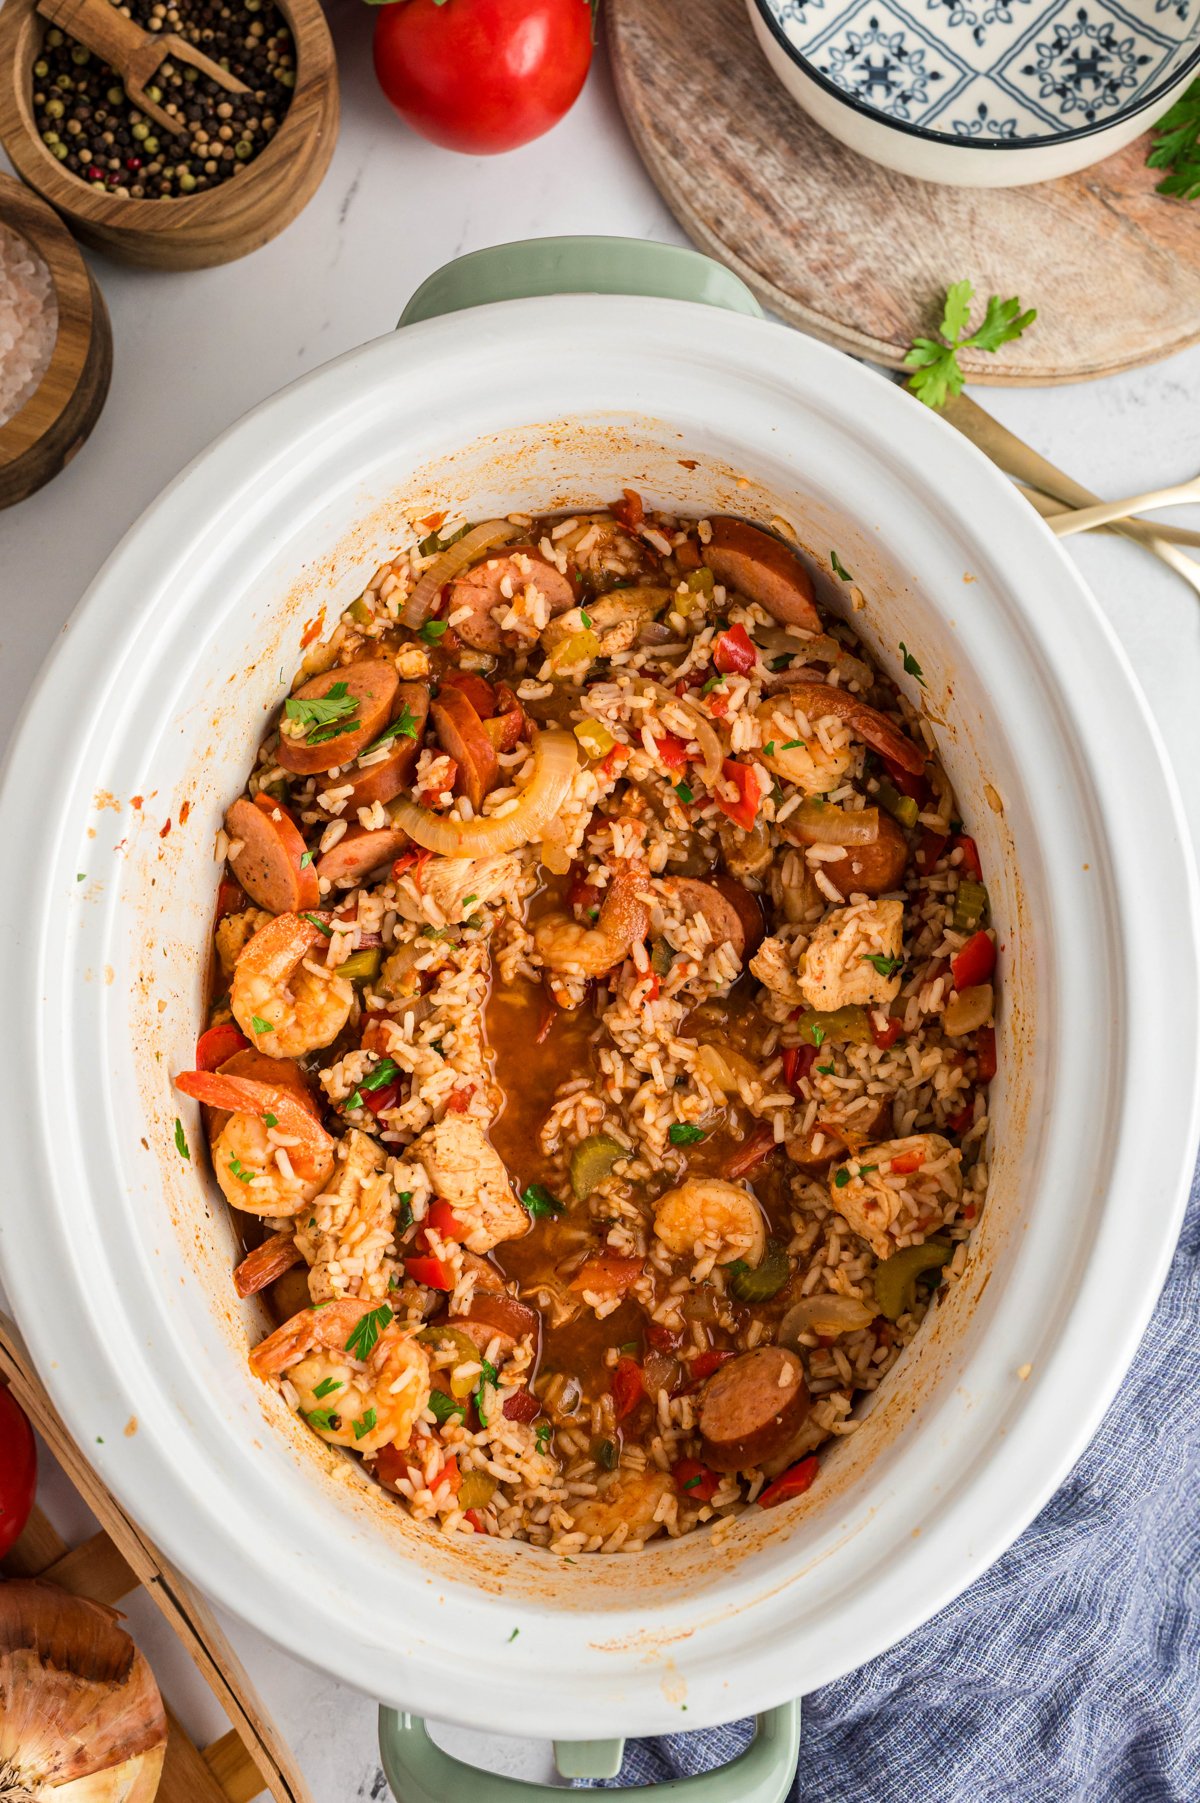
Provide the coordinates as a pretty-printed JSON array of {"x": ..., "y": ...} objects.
[
  {"x": 284, "y": 1003},
  {"x": 361, "y": 1379},
  {"x": 628, "y": 1499},
  {"x": 708, "y": 1216},
  {"x": 566, "y": 946},
  {"x": 271, "y": 1155},
  {"x": 795, "y": 754},
  {"x": 821, "y": 700}
]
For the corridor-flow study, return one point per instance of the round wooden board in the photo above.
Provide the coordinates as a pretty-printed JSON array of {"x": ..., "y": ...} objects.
[{"x": 860, "y": 257}]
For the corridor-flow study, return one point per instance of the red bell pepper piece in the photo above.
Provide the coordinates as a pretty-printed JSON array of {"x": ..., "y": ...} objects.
[
  {"x": 985, "y": 1054},
  {"x": 379, "y": 1100},
  {"x": 662, "y": 1337},
  {"x": 218, "y": 1044},
  {"x": 889, "y": 1033},
  {"x": 798, "y": 1060},
  {"x": 628, "y": 1387},
  {"x": 914, "y": 786},
  {"x": 705, "y": 1363},
  {"x": 930, "y": 847},
  {"x": 672, "y": 751},
  {"x": 970, "y": 855},
  {"x": 607, "y": 1271},
  {"x": 423, "y": 1268},
  {"x": 475, "y": 1519},
  {"x": 743, "y": 810},
  {"x": 695, "y": 1479},
  {"x": 975, "y": 962},
  {"x": 906, "y": 1163},
  {"x": 442, "y": 1218},
  {"x": 793, "y": 1482},
  {"x": 734, "y": 651},
  {"x": 964, "y": 1119},
  {"x": 449, "y": 1474},
  {"x": 629, "y": 510},
  {"x": 612, "y": 760},
  {"x": 231, "y": 898},
  {"x": 459, "y": 1100},
  {"x": 522, "y": 1405}
]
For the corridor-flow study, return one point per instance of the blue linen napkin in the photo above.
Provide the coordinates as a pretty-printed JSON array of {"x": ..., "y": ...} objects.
[{"x": 1071, "y": 1670}]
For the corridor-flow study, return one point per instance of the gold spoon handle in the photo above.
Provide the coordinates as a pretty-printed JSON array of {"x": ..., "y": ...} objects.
[{"x": 1085, "y": 519}]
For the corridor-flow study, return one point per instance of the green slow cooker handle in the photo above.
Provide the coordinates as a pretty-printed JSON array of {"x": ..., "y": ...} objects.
[
  {"x": 417, "y": 1769},
  {"x": 536, "y": 266},
  {"x": 420, "y": 1772}
]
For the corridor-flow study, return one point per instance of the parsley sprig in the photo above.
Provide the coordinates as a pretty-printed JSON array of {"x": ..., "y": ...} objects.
[
  {"x": 934, "y": 361},
  {"x": 1177, "y": 146},
  {"x": 364, "y": 1336},
  {"x": 326, "y": 716}
]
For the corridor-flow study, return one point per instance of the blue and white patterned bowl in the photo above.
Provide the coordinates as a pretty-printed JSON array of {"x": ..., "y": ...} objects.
[{"x": 982, "y": 93}]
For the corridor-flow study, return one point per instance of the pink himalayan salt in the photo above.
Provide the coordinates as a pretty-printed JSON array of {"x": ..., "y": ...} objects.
[{"x": 28, "y": 321}]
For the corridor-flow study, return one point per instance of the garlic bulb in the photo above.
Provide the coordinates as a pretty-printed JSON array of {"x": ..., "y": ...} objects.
[{"x": 81, "y": 1720}]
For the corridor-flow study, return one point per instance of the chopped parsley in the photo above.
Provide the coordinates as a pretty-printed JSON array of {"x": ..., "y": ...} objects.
[
  {"x": 432, "y": 631},
  {"x": 181, "y": 1145},
  {"x": 305, "y": 860},
  {"x": 319, "y": 924},
  {"x": 682, "y": 1134},
  {"x": 80, "y": 876},
  {"x": 887, "y": 967},
  {"x": 690, "y": 1483},
  {"x": 444, "y": 1408},
  {"x": 863, "y": 1169},
  {"x": 403, "y": 727},
  {"x": 404, "y": 1213},
  {"x": 911, "y": 666},
  {"x": 841, "y": 1177},
  {"x": 825, "y": 1070},
  {"x": 513, "y": 1635},
  {"x": 817, "y": 1035},
  {"x": 793, "y": 745},
  {"x": 324, "y": 1420},
  {"x": 365, "y": 1425},
  {"x": 270, "y": 1120},
  {"x": 539, "y": 1201},
  {"x": 839, "y": 568},
  {"x": 240, "y": 1172},
  {"x": 769, "y": 749},
  {"x": 488, "y": 1378},
  {"x": 684, "y": 793},
  {"x": 468, "y": 899},
  {"x": 542, "y": 1437},
  {"x": 362, "y": 1340},
  {"x": 384, "y": 1073},
  {"x": 585, "y": 619},
  {"x": 326, "y": 716},
  {"x": 782, "y": 662},
  {"x": 714, "y": 682},
  {"x": 260, "y": 1025},
  {"x": 326, "y": 1387}
]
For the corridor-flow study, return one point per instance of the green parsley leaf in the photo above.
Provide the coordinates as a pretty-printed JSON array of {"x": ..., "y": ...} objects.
[
  {"x": 817, "y": 1035},
  {"x": 270, "y": 1120},
  {"x": 362, "y": 1340},
  {"x": 327, "y": 1386},
  {"x": 319, "y": 924},
  {"x": 80, "y": 876},
  {"x": 468, "y": 899},
  {"x": 353, "y": 1100},
  {"x": 887, "y": 967},
  {"x": 444, "y": 1407},
  {"x": 382, "y": 1075},
  {"x": 839, "y": 568},
  {"x": 542, "y": 1436},
  {"x": 433, "y": 630},
  {"x": 403, "y": 727},
  {"x": 714, "y": 682},
  {"x": 585, "y": 620},
  {"x": 691, "y": 1482},
  {"x": 513, "y": 1635},
  {"x": 911, "y": 666},
  {"x": 260, "y": 1025},
  {"x": 826, "y": 1070},
  {"x": 681, "y": 1133},
  {"x": 934, "y": 361},
  {"x": 324, "y": 1420},
  {"x": 863, "y": 1169},
  {"x": 305, "y": 859},
  {"x": 181, "y": 1145},
  {"x": 769, "y": 749},
  {"x": 240, "y": 1172},
  {"x": 841, "y": 1177},
  {"x": 793, "y": 745},
  {"x": 684, "y": 793},
  {"x": 539, "y": 1201},
  {"x": 365, "y": 1425},
  {"x": 326, "y": 716},
  {"x": 488, "y": 1376},
  {"x": 1177, "y": 146},
  {"x": 782, "y": 661}
]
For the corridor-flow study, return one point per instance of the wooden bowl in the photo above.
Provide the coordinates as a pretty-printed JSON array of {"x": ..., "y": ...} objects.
[
  {"x": 211, "y": 227},
  {"x": 43, "y": 436}
]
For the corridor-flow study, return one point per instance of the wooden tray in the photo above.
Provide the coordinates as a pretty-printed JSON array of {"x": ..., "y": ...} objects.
[
  {"x": 250, "y": 1758},
  {"x": 861, "y": 257}
]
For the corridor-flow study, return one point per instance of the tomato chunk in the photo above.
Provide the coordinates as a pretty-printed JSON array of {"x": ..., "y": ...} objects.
[
  {"x": 798, "y": 1060},
  {"x": 975, "y": 962},
  {"x": 522, "y": 1406},
  {"x": 793, "y": 1482},
  {"x": 705, "y": 1363},
  {"x": 442, "y": 1218},
  {"x": 744, "y": 809},
  {"x": 423, "y": 1268},
  {"x": 985, "y": 1054},
  {"x": 218, "y": 1044},
  {"x": 906, "y": 1163},
  {"x": 629, "y": 510},
  {"x": 628, "y": 1387},
  {"x": 695, "y": 1479},
  {"x": 672, "y": 750},
  {"x": 970, "y": 855},
  {"x": 930, "y": 847},
  {"x": 886, "y": 1035},
  {"x": 752, "y": 1151},
  {"x": 734, "y": 651}
]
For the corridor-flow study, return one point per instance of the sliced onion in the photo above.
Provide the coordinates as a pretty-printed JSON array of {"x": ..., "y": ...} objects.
[
  {"x": 554, "y": 766},
  {"x": 724, "y": 1068},
  {"x": 480, "y": 538},
  {"x": 821, "y": 823},
  {"x": 828, "y": 1316},
  {"x": 703, "y": 732},
  {"x": 969, "y": 1010},
  {"x": 656, "y": 632}
]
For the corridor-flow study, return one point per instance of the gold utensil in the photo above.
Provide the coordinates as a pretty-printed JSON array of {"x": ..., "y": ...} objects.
[
  {"x": 1184, "y": 566},
  {"x": 1085, "y": 519}
]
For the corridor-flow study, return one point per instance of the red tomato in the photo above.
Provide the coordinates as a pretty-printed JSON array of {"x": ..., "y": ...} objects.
[
  {"x": 886, "y": 1035},
  {"x": 662, "y": 1337},
  {"x": 960, "y": 1122},
  {"x": 705, "y": 1363},
  {"x": 734, "y": 651},
  {"x": 970, "y": 855},
  {"x": 609, "y": 1271},
  {"x": 431, "y": 1272},
  {"x": 442, "y": 1218},
  {"x": 976, "y": 961},
  {"x": 482, "y": 75},
  {"x": 793, "y": 1482},
  {"x": 629, "y": 509},
  {"x": 745, "y": 780},
  {"x": 672, "y": 750},
  {"x": 18, "y": 1470},
  {"x": 628, "y": 1387},
  {"x": 218, "y": 1044},
  {"x": 798, "y": 1060},
  {"x": 231, "y": 898},
  {"x": 930, "y": 847},
  {"x": 695, "y": 1479},
  {"x": 523, "y": 1405},
  {"x": 378, "y": 1100},
  {"x": 906, "y": 1163},
  {"x": 985, "y": 1054},
  {"x": 915, "y": 787}
]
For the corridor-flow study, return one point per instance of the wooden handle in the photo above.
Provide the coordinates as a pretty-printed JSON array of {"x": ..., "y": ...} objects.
[{"x": 104, "y": 30}]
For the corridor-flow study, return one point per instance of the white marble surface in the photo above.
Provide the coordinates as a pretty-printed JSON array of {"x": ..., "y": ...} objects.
[{"x": 194, "y": 351}]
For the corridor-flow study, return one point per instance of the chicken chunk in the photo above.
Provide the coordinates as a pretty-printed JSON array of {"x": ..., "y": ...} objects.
[
  {"x": 775, "y": 966},
  {"x": 898, "y": 1192},
  {"x": 616, "y": 619},
  {"x": 359, "y": 1199},
  {"x": 466, "y": 1170},
  {"x": 854, "y": 957}
]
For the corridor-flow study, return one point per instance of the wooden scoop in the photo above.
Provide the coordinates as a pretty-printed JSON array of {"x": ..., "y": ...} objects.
[{"x": 135, "y": 54}]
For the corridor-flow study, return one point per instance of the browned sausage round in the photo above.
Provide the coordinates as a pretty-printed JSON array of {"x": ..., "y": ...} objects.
[
  {"x": 383, "y": 779},
  {"x": 761, "y": 566},
  {"x": 360, "y": 851},
  {"x": 866, "y": 1123},
  {"x": 751, "y": 1407},
  {"x": 873, "y": 869},
  {"x": 461, "y": 733},
  {"x": 493, "y": 1317},
  {"x": 372, "y": 683},
  {"x": 271, "y": 865},
  {"x": 482, "y": 590},
  {"x": 732, "y": 913}
]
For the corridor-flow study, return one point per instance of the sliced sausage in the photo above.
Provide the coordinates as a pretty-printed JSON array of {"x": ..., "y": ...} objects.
[
  {"x": 383, "y": 779},
  {"x": 493, "y": 1317},
  {"x": 873, "y": 869},
  {"x": 761, "y": 566},
  {"x": 372, "y": 684},
  {"x": 865, "y": 1124},
  {"x": 266, "y": 1264},
  {"x": 461, "y": 734},
  {"x": 733, "y": 915},
  {"x": 361, "y": 850},
  {"x": 271, "y": 866},
  {"x": 482, "y": 590},
  {"x": 751, "y": 1407}
]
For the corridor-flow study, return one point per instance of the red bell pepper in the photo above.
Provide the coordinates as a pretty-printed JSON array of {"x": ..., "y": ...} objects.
[
  {"x": 886, "y": 1035},
  {"x": 930, "y": 847},
  {"x": 672, "y": 751},
  {"x": 662, "y": 1337},
  {"x": 607, "y": 1271},
  {"x": 793, "y": 1482},
  {"x": 734, "y": 651},
  {"x": 798, "y": 1060},
  {"x": 612, "y": 760},
  {"x": 522, "y": 1405},
  {"x": 423, "y": 1268},
  {"x": 475, "y": 1519},
  {"x": 629, "y": 510},
  {"x": 752, "y": 1151},
  {"x": 970, "y": 855},
  {"x": 695, "y": 1479},
  {"x": 628, "y": 1387},
  {"x": 218, "y": 1044},
  {"x": 906, "y": 1163},
  {"x": 964, "y": 1119},
  {"x": 231, "y": 897},
  {"x": 445, "y": 1223},
  {"x": 985, "y": 1054},
  {"x": 975, "y": 962},
  {"x": 744, "y": 809},
  {"x": 705, "y": 1363},
  {"x": 379, "y": 1100},
  {"x": 914, "y": 786}
]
